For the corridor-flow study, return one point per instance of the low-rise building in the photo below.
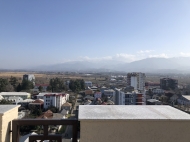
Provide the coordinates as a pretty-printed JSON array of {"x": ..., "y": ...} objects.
[
  {"x": 89, "y": 92},
  {"x": 88, "y": 83},
  {"x": 55, "y": 99},
  {"x": 97, "y": 95},
  {"x": 67, "y": 106},
  {"x": 23, "y": 95}
]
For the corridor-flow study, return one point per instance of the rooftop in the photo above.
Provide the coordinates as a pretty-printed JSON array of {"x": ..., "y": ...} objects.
[
  {"x": 5, "y": 108},
  {"x": 115, "y": 112},
  {"x": 187, "y": 97},
  {"x": 14, "y": 93}
]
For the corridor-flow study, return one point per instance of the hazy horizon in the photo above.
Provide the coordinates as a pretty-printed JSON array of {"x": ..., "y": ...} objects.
[{"x": 35, "y": 33}]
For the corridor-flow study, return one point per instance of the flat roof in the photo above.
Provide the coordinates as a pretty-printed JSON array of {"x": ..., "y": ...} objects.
[
  {"x": 5, "y": 108},
  {"x": 131, "y": 112},
  {"x": 186, "y": 96},
  {"x": 15, "y": 93}
]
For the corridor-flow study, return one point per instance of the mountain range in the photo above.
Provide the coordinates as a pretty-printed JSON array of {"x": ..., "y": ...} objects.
[{"x": 167, "y": 65}]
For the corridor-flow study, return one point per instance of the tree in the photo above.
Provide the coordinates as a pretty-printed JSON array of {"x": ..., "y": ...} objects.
[
  {"x": 13, "y": 81},
  {"x": 4, "y": 102},
  {"x": 27, "y": 85},
  {"x": 77, "y": 85},
  {"x": 3, "y": 84},
  {"x": 57, "y": 85},
  {"x": 40, "y": 88},
  {"x": 19, "y": 88}
]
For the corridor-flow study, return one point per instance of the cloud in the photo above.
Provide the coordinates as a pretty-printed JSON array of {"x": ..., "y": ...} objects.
[
  {"x": 184, "y": 54},
  {"x": 118, "y": 57},
  {"x": 144, "y": 51},
  {"x": 163, "y": 55}
]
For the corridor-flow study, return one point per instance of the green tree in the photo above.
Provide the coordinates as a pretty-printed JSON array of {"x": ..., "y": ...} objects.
[
  {"x": 40, "y": 88},
  {"x": 14, "y": 82},
  {"x": 77, "y": 85},
  {"x": 3, "y": 84},
  {"x": 4, "y": 102},
  {"x": 27, "y": 85},
  {"x": 19, "y": 88},
  {"x": 57, "y": 85}
]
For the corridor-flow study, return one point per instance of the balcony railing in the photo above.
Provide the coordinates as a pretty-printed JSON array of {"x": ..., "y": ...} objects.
[{"x": 45, "y": 123}]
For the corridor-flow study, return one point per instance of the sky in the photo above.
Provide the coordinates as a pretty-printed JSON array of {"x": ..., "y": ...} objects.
[{"x": 43, "y": 32}]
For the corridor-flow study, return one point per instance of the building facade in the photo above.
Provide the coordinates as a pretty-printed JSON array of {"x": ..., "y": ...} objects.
[
  {"x": 136, "y": 80},
  {"x": 55, "y": 99},
  {"x": 168, "y": 83}
]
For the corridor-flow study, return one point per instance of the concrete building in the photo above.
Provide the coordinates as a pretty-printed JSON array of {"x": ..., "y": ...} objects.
[
  {"x": 29, "y": 77},
  {"x": 168, "y": 83},
  {"x": 23, "y": 95},
  {"x": 88, "y": 83},
  {"x": 136, "y": 80},
  {"x": 55, "y": 99},
  {"x": 113, "y": 123},
  {"x": 119, "y": 97},
  {"x": 132, "y": 98},
  {"x": 7, "y": 114}
]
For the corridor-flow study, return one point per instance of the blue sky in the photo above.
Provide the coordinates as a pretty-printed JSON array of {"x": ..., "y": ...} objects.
[{"x": 45, "y": 32}]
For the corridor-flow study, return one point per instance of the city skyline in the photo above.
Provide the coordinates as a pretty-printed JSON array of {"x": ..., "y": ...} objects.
[{"x": 41, "y": 33}]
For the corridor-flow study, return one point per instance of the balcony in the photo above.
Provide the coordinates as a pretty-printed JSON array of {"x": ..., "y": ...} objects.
[
  {"x": 16, "y": 124},
  {"x": 118, "y": 123}
]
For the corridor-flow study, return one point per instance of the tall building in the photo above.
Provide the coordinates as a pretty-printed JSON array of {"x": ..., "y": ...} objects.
[
  {"x": 136, "y": 80},
  {"x": 168, "y": 83},
  {"x": 29, "y": 77}
]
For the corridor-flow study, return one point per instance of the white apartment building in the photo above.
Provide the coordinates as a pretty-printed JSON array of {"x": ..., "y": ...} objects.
[
  {"x": 55, "y": 99},
  {"x": 136, "y": 80}
]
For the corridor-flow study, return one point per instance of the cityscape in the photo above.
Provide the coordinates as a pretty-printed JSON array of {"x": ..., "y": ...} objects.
[{"x": 94, "y": 71}]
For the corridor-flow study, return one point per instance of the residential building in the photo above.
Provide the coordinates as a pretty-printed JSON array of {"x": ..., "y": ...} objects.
[
  {"x": 89, "y": 92},
  {"x": 158, "y": 91},
  {"x": 168, "y": 83},
  {"x": 119, "y": 97},
  {"x": 88, "y": 83},
  {"x": 110, "y": 94},
  {"x": 23, "y": 95},
  {"x": 94, "y": 88},
  {"x": 67, "y": 106},
  {"x": 154, "y": 123},
  {"x": 55, "y": 99},
  {"x": 132, "y": 98},
  {"x": 37, "y": 103},
  {"x": 97, "y": 95},
  {"x": 29, "y": 77},
  {"x": 184, "y": 100},
  {"x": 102, "y": 89},
  {"x": 151, "y": 85},
  {"x": 153, "y": 102},
  {"x": 7, "y": 114},
  {"x": 136, "y": 80}
]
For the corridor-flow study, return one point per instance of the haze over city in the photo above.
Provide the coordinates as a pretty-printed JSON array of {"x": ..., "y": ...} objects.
[{"x": 35, "y": 33}]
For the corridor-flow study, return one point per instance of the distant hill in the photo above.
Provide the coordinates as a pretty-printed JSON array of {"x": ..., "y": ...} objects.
[{"x": 180, "y": 64}]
